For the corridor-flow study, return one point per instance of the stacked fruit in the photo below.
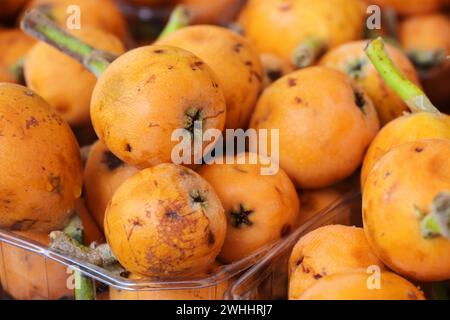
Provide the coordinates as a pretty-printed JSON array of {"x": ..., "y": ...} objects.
[{"x": 298, "y": 71}]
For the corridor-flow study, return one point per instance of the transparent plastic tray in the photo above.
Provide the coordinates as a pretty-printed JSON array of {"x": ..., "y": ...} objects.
[
  {"x": 268, "y": 279},
  {"x": 29, "y": 270}
]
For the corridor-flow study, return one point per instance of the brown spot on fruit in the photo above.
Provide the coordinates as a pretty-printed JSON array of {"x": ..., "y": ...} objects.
[
  {"x": 292, "y": 82},
  {"x": 317, "y": 276},
  {"x": 55, "y": 184},
  {"x": 419, "y": 150},
  {"x": 128, "y": 147},
  {"x": 237, "y": 47},
  {"x": 211, "y": 238},
  {"x": 158, "y": 51},
  {"x": 32, "y": 122}
]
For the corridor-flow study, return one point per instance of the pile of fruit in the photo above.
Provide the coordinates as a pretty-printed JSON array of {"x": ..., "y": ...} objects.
[{"x": 332, "y": 94}]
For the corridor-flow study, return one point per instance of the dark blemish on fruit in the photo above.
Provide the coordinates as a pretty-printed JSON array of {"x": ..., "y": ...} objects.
[
  {"x": 23, "y": 224},
  {"x": 305, "y": 269},
  {"x": 32, "y": 122},
  {"x": 241, "y": 216},
  {"x": 237, "y": 47},
  {"x": 274, "y": 75},
  {"x": 128, "y": 147},
  {"x": 298, "y": 100},
  {"x": 286, "y": 230},
  {"x": 317, "y": 276},
  {"x": 419, "y": 149},
  {"x": 387, "y": 174},
  {"x": 196, "y": 65},
  {"x": 170, "y": 67},
  {"x": 153, "y": 125},
  {"x": 292, "y": 82},
  {"x": 359, "y": 99},
  {"x": 158, "y": 51},
  {"x": 172, "y": 215},
  {"x": 356, "y": 69},
  {"x": 278, "y": 190},
  {"x": 111, "y": 161},
  {"x": 215, "y": 85},
  {"x": 55, "y": 183},
  {"x": 211, "y": 238},
  {"x": 300, "y": 261},
  {"x": 248, "y": 63}
]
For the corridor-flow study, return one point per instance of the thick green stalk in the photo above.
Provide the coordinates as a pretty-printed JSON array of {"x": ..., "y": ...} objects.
[
  {"x": 413, "y": 96},
  {"x": 179, "y": 18},
  {"x": 40, "y": 26},
  {"x": 308, "y": 51},
  {"x": 84, "y": 286}
]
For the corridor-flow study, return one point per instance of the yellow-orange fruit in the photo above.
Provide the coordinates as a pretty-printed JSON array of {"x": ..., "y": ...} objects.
[
  {"x": 40, "y": 163},
  {"x": 354, "y": 286},
  {"x": 351, "y": 59},
  {"x": 212, "y": 12},
  {"x": 404, "y": 182},
  {"x": 100, "y": 14},
  {"x": 260, "y": 209},
  {"x": 325, "y": 124},
  {"x": 425, "y": 32},
  {"x": 405, "y": 129},
  {"x": 325, "y": 251},
  {"x": 279, "y": 27},
  {"x": 14, "y": 44},
  {"x": 64, "y": 82},
  {"x": 233, "y": 59},
  {"x": 103, "y": 174},
  {"x": 410, "y": 7},
  {"x": 165, "y": 220},
  {"x": 147, "y": 94}
]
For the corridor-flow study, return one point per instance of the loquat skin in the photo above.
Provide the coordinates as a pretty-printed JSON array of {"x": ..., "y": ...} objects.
[
  {"x": 351, "y": 59},
  {"x": 103, "y": 174},
  {"x": 252, "y": 223},
  {"x": 28, "y": 276},
  {"x": 135, "y": 109},
  {"x": 100, "y": 14},
  {"x": 40, "y": 163},
  {"x": 279, "y": 27},
  {"x": 407, "y": 128},
  {"x": 212, "y": 12},
  {"x": 352, "y": 285},
  {"x": 64, "y": 82},
  {"x": 323, "y": 132},
  {"x": 410, "y": 7},
  {"x": 420, "y": 33},
  {"x": 325, "y": 251},
  {"x": 314, "y": 201},
  {"x": 233, "y": 59},
  {"x": 209, "y": 293},
  {"x": 165, "y": 221},
  {"x": 150, "y": 2},
  {"x": 15, "y": 44},
  {"x": 274, "y": 68},
  {"x": 406, "y": 180}
]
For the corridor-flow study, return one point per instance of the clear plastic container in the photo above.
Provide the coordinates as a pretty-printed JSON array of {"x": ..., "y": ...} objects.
[
  {"x": 29, "y": 270},
  {"x": 268, "y": 279}
]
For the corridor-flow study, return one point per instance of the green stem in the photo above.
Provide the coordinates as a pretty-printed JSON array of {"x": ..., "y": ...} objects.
[
  {"x": 84, "y": 286},
  {"x": 179, "y": 18},
  {"x": 308, "y": 51},
  {"x": 413, "y": 96},
  {"x": 437, "y": 222},
  {"x": 16, "y": 70},
  {"x": 40, "y": 26}
]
